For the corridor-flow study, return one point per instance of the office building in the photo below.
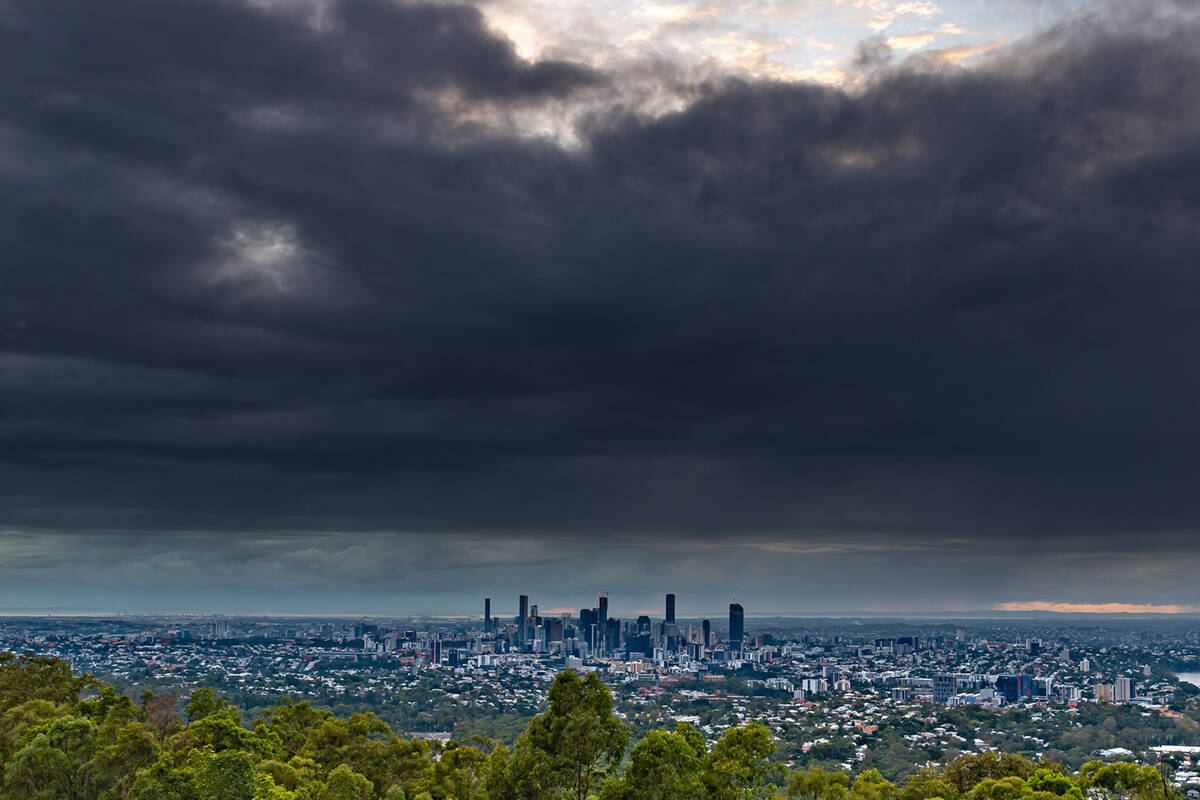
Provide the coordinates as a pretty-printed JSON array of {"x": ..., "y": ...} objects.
[
  {"x": 670, "y": 609},
  {"x": 737, "y": 625},
  {"x": 589, "y": 627},
  {"x": 612, "y": 634},
  {"x": 944, "y": 689},
  {"x": 487, "y": 615},
  {"x": 523, "y": 622},
  {"x": 1015, "y": 687},
  {"x": 639, "y": 644}
]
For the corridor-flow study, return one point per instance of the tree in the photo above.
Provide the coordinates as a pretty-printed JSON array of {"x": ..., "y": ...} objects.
[
  {"x": 132, "y": 748},
  {"x": 16, "y": 721},
  {"x": 817, "y": 784},
  {"x": 292, "y": 722},
  {"x": 738, "y": 761},
  {"x": 965, "y": 772},
  {"x": 204, "y": 702},
  {"x": 1122, "y": 781},
  {"x": 522, "y": 774},
  {"x": 30, "y": 677},
  {"x": 265, "y": 788},
  {"x": 663, "y": 766},
  {"x": 569, "y": 748},
  {"x": 459, "y": 774},
  {"x": 222, "y": 730},
  {"x": 56, "y": 764},
  {"x": 108, "y": 708},
  {"x": 227, "y": 775},
  {"x": 871, "y": 785},
  {"x": 408, "y": 763},
  {"x": 159, "y": 713},
  {"x": 346, "y": 784},
  {"x": 1047, "y": 780},
  {"x": 164, "y": 780},
  {"x": 281, "y": 774},
  {"x": 1010, "y": 788}
]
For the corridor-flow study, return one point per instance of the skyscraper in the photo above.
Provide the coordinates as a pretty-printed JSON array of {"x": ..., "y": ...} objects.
[
  {"x": 487, "y": 615},
  {"x": 706, "y": 626},
  {"x": 612, "y": 635},
  {"x": 587, "y": 624},
  {"x": 523, "y": 620},
  {"x": 670, "y": 609},
  {"x": 601, "y": 640},
  {"x": 737, "y": 625}
]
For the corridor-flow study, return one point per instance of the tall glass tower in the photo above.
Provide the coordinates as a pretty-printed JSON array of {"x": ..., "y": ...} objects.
[
  {"x": 523, "y": 621},
  {"x": 737, "y": 626}
]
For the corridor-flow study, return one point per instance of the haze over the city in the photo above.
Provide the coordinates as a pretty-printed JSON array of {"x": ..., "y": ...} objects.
[{"x": 380, "y": 307}]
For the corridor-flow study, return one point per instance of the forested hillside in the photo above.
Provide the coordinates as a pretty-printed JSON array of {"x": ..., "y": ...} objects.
[{"x": 70, "y": 737}]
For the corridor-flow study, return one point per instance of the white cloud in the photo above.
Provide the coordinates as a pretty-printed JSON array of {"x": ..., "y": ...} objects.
[
  {"x": 267, "y": 255},
  {"x": 913, "y": 41}
]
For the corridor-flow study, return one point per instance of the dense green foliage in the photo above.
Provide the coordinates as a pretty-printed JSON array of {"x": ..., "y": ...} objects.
[{"x": 68, "y": 737}]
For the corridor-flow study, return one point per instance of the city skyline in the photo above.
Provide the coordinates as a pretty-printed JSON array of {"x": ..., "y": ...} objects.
[{"x": 847, "y": 697}]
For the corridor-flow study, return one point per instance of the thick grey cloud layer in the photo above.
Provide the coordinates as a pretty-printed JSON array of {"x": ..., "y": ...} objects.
[{"x": 283, "y": 277}]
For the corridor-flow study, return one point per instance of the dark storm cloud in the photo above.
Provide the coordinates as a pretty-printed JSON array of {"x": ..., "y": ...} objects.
[{"x": 283, "y": 267}]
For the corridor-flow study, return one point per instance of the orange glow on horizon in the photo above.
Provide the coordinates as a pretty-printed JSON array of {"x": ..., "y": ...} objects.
[{"x": 1096, "y": 608}]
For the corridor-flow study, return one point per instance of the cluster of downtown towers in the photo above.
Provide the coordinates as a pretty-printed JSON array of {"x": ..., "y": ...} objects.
[{"x": 594, "y": 632}]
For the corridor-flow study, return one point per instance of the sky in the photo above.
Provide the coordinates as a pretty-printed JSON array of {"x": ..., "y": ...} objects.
[{"x": 378, "y": 307}]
